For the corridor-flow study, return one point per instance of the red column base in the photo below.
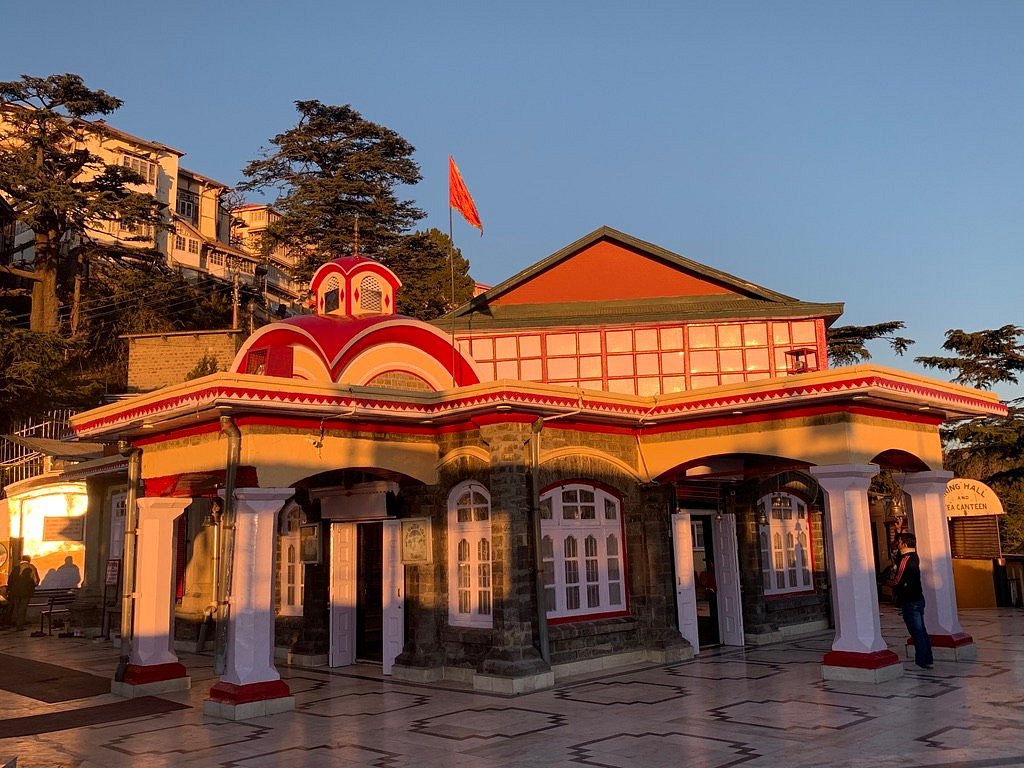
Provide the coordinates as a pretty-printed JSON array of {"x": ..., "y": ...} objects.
[
  {"x": 136, "y": 674},
  {"x": 958, "y": 640},
  {"x": 229, "y": 693},
  {"x": 875, "y": 660}
]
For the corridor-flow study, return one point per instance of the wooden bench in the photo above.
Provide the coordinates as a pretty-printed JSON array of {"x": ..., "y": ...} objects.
[{"x": 51, "y": 602}]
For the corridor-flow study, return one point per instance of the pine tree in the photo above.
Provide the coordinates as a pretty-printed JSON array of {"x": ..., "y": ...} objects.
[
  {"x": 56, "y": 186},
  {"x": 990, "y": 449},
  {"x": 337, "y": 175}
]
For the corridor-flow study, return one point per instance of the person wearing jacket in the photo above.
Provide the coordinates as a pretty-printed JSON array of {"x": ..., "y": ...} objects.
[
  {"x": 20, "y": 588},
  {"x": 905, "y": 581}
]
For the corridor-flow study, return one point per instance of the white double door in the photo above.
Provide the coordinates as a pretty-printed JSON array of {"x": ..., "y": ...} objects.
[
  {"x": 729, "y": 607},
  {"x": 360, "y": 565}
]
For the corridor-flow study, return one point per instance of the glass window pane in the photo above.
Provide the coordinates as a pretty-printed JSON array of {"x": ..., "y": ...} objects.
[
  {"x": 572, "y": 598},
  {"x": 619, "y": 341},
  {"x": 780, "y": 333},
  {"x": 671, "y": 338},
  {"x": 562, "y": 368},
  {"x": 590, "y": 343},
  {"x": 673, "y": 362},
  {"x": 562, "y": 344},
  {"x": 530, "y": 370},
  {"x": 620, "y": 365},
  {"x": 757, "y": 359},
  {"x": 646, "y": 339},
  {"x": 590, "y": 367},
  {"x": 730, "y": 336},
  {"x": 704, "y": 362},
  {"x": 646, "y": 364},
  {"x": 731, "y": 359},
  {"x": 701, "y": 336},
  {"x": 611, "y": 509},
  {"x": 529, "y": 346},
  {"x": 755, "y": 335},
  {"x": 803, "y": 332}
]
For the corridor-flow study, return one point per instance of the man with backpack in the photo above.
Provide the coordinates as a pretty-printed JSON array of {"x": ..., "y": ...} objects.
[{"x": 20, "y": 588}]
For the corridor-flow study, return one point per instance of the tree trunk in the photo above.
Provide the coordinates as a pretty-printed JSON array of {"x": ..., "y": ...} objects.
[{"x": 45, "y": 316}]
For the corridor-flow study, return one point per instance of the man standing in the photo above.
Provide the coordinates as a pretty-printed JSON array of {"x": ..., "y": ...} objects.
[
  {"x": 906, "y": 583},
  {"x": 20, "y": 589}
]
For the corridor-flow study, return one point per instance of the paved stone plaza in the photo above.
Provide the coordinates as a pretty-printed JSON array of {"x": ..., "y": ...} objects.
[{"x": 756, "y": 707}]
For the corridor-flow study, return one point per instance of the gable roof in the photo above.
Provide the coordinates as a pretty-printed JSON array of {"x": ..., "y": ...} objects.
[{"x": 609, "y": 276}]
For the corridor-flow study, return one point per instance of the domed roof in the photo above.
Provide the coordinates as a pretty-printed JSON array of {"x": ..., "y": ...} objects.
[{"x": 355, "y": 337}]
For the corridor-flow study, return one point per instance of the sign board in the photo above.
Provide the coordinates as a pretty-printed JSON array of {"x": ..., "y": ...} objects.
[
  {"x": 971, "y": 498},
  {"x": 113, "y": 574},
  {"x": 64, "y": 528}
]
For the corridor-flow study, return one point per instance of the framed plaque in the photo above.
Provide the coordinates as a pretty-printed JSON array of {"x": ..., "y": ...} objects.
[
  {"x": 309, "y": 543},
  {"x": 416, "y": 541}
]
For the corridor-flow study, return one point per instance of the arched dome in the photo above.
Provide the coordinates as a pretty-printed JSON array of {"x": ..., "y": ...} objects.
[{"x": 356, "y": 338}]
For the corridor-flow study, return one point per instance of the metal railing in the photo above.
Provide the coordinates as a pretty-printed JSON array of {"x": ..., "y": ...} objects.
[{"x": 18, "y": 462}]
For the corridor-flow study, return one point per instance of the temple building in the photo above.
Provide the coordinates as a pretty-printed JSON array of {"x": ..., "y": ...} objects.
[{"x": 617, "y": 455}]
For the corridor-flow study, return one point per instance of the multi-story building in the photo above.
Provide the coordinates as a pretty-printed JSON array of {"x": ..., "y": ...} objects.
[
  {"x": 248, "y": 225},
  {"x": 197, "y": 234}
]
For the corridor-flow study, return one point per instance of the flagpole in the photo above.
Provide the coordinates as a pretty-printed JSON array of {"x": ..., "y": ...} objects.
[{"x": 451, "y": 267}]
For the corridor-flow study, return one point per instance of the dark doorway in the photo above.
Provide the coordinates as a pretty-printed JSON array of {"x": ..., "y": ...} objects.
[
  {"x": 369, "y": 601},
  {"x": 706, "y": 586}
]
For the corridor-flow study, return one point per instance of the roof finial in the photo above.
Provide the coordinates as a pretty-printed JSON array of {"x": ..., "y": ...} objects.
[{"x": 355, "y": 237}]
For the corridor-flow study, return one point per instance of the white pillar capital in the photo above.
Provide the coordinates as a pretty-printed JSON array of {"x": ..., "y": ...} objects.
[{"x": 835, "y": 477}]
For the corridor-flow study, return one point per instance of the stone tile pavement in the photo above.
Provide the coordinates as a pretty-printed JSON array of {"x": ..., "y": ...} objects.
[{"x": 756, "y": 707}]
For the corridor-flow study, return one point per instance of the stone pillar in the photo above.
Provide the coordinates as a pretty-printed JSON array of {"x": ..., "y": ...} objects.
[
  {"x": 927, "y": 492},
  {"x": 513, "y": 665},
  {"x": 858, "y": 652},
  {"x": 251, "y": 685},
  {"x": 153, "y": 667}
]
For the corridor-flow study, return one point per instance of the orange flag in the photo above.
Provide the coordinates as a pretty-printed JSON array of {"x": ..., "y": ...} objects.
[{"x": 459, "y": 198}]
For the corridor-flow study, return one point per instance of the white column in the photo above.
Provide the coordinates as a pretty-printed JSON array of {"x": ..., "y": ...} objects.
[
  {"x": 250, "y": 652},
  {"x": 858, "y": 651},
  {"x": 154, "y": 581},
  {"x": 927, "y": 492},
  {"x": 153, "y": 667},
  {"x": 251, "y": 685}
]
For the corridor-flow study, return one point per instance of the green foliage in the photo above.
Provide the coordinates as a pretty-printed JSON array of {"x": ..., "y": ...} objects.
[
  {"x": 57, "y": 187},
  {"x": 207, "y": 365},
  {"x": 989, "y": 449},
  {"x": 847, "y": 345},
  {"x": 37, "y": 374},
  {"x": 334, "y": 172},
  {"x": 421, "y": 261},
  {"x": 122, "y": 299},
  {"x": 982, "y": 358}
]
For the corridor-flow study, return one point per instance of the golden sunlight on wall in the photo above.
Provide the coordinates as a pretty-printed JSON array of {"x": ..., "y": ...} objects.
[{"x": 51, "y": 521}]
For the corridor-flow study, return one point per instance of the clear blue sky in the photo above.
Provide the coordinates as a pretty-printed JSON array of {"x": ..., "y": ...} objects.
[{"x": 865, "y": 152}]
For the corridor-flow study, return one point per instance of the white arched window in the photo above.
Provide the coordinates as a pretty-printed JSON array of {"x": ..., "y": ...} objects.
[
  {"x": 784, "y": 534},
  {"x": 290, "y": 568},
  {"x": 582, "y": 553},
  {"x": 469, "y": 556}
]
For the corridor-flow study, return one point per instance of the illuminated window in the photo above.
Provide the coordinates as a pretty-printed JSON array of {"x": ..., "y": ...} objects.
[
  {"x": 581, "y": 552},
  {"x": 469, "y": 556}
]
